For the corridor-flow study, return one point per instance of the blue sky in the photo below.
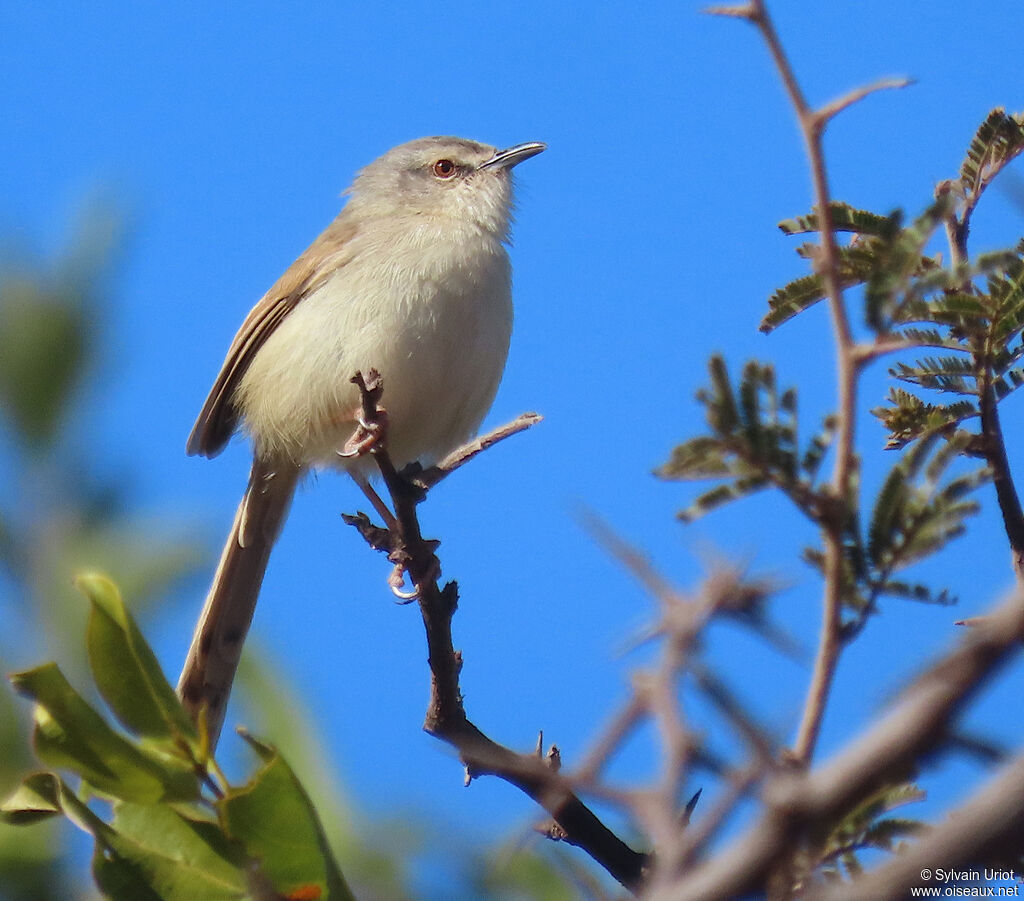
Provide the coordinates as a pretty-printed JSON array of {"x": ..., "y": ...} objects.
[{"x": 645, "y": 240}]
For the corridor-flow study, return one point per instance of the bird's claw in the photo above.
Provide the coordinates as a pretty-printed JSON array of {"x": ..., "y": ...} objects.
[
  {"x": 396, "y": 581},
  {"x": 368, "y": 435}
]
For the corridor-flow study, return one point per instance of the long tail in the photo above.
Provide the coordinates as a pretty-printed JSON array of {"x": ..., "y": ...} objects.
[{"x": 217, "y": 643}]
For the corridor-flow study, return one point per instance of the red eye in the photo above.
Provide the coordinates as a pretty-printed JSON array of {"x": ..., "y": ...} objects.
[{"x": 444, "y": 168}]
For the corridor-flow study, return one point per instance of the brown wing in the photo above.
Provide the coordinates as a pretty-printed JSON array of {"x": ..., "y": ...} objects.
[{"x": 219, "y": 417}]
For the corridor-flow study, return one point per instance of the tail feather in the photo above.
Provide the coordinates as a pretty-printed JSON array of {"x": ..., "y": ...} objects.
[{"x": 217, "y": 643}]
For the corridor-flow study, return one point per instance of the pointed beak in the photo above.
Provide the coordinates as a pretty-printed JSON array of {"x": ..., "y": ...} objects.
[{"x": 506, "y": 159}]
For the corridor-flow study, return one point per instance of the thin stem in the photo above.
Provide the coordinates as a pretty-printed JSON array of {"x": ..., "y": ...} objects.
[
  {"x": 994, "y": 446},
  {"x": 993, "y": 442},
  {"x": 812, "y": 127}
]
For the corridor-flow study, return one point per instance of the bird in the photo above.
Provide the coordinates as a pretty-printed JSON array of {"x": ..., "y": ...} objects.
[{"x": 413, "y": 280}]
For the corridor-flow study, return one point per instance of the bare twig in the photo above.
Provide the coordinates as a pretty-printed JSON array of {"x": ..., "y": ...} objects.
[
  {"x": 835, "y": 107},
  {"x": 760, "y": 743},
  {"x": 430, "y": 476},
  {"x": 629, "y": 717},
  {"x": 812, "y": 126},
  {"x": 446, "y": 716},
  {"x": 868, "y": 352}
]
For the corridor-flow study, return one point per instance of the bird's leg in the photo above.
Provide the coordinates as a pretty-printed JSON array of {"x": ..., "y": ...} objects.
[{"x": 390, "y": 523}]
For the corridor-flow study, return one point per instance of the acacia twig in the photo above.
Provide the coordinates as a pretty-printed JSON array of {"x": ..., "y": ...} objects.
[
  {"x": 446, "y": 716},
  {"x": 812, "y": 125}
]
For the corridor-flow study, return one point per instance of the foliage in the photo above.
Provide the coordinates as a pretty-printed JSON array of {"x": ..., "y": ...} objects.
[
  {"x": 868, "y": 827},
  {"x": 753, "y": 444},
  {"x": 166, "y": 837},
  {"x": 964, "y": 318},
  {"x": 57, "y": 514}
]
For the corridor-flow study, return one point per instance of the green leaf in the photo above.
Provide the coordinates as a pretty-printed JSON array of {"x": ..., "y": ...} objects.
[
  {"x": 176, "y": 855},
  {"x": 126, "y": 669},
  {"x": 698, "y": 458},
  {"x": 179, "y": 861},
  {"x": 274, "y": 820},
  {"x": 913, "y": 515},
  {"x": 791, "y": 299},
  {"x": 953, "y": 375},
  {"x": 721, "y": 495},
  {"x": 34, "y": 800},
  {"x": 909, "y": 417},
  {"x": 846, "y": 218},
  {"x": 998, "y": 139},
  {"x": 820, "y": 443},
  {"x": 855, "y": 264},
  {"x": 159, "y": 858},
  {"x": 930, "y": 337},
  {"x": 70, "y": 734},
  {"x": 885, "y": 516},
  {"x": 41, "y": 793},
  {"x": 899, "y": 264},
  {"x": 754, "y": 442},
  {"x": 915, "y": 591},
  {"x": 866, "y": 827},
  {"x": 882, "y": 834}
]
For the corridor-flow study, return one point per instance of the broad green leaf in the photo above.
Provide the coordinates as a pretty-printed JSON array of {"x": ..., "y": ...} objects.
[
  {"x": 150, "y": 851},
  {"x": 169, "y": 864},
  {"x": 176, "y": 855},
  {"x": 41, "y": 793},
  {"x": 34, "y": 800},
  {"x": 126, "y": 670},
  {"x": 70, "y": 734},
  {"x": 273, "y": 818}
]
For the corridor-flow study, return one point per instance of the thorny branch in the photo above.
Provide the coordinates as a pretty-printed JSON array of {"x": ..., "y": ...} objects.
[
  {"x": 798, "y": 804},
  {"x": 682, "y": 622},
  {"x": 849, "y": 360},
  {"x": 446, "y": 716}
]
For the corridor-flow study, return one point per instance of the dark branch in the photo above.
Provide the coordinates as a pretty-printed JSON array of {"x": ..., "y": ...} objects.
[
  {"x": 446, "y": 716},
  {"x": 994, "y": 446}
]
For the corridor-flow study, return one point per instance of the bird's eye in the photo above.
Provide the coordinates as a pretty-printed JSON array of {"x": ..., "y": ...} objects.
[{"x": 444, "y": 168}]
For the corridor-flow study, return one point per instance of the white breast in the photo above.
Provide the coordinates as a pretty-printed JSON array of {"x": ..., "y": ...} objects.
[{"x": 428, "y": 306}]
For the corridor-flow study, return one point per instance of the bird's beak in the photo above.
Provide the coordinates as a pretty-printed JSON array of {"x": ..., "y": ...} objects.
[{"x": 506, "y": 159}]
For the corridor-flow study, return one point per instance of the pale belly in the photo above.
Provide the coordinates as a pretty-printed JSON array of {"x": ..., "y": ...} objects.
[{"x": 439, "y": 341}]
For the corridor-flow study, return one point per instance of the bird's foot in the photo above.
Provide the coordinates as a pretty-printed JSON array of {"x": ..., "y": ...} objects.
[{"x": 368, "y": 435}]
